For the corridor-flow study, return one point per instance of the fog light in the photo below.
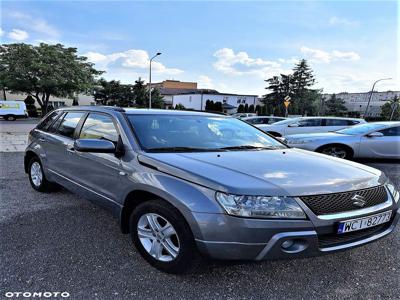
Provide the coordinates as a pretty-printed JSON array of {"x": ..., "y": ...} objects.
[{"x": 287, "y": 244}]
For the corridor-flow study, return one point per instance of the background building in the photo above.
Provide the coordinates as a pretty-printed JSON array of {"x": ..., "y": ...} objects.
[
  {"x": 197, "y": 100},
  {"x": 357, "y": 102}
]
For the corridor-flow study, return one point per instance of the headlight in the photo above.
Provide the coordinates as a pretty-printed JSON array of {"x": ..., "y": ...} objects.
[
  {"x": 260, "y": 206},
  {"x": 393, "y": 190}
]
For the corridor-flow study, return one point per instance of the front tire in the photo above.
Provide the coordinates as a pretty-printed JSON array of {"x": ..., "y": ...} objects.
[
  {"x": 162, "y": 236},
  {"x": 336, "y": 151},
  {"x": 37, "y": 178}
]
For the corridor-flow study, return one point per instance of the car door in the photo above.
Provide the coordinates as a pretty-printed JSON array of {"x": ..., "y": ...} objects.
[
  {"x": 385, "y": 146},
  {"x": 304, "y": 126},
  {"x": 59, "y": 141},
  {"x": 99, "y": 173}
]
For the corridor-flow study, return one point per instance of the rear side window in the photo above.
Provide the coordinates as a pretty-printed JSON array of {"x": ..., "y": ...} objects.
[
  {"x": 46, "y": 123},
  {"x": 69, "y": 123},
  {"x": 337, "y": 122},
  {"x": 310, "y": 123},
  {"x": 99, "y": 126},
  {"x": 392, "y": 131}
]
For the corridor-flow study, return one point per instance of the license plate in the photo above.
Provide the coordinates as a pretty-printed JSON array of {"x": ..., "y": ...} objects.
[{"x": 365, "y": 222}]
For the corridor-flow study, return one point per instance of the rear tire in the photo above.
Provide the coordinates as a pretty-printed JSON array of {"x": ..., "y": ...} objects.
[
  {"x": 37, "y": 178},
  {"x": 162, "y": 236},
  {"x": 336, "y": 151},
  {"x": 10, "y": 118}
]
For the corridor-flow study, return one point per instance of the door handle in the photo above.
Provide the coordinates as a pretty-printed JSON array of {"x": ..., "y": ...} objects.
[
  {"x": 42, "y": 140},
  {"x": 70, "y": 149}
]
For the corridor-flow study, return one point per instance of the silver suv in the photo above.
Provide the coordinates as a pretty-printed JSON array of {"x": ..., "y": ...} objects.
[{"x": 189, "y": 183}]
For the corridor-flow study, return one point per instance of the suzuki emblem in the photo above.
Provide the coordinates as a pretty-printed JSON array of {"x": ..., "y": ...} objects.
[{"x": 358, "y": 200}]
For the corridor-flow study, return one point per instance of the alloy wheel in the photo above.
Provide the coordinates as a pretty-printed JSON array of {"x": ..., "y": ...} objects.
[
  {"x": 36, "y": 174},
  {"x": 335, "y": 152},
  {"x": 158, "y": 237}
]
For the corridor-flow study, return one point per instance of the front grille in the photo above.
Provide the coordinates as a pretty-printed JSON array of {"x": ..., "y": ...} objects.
[
  {"x": 334, "y": 239},
  {"x": 342, "y": 202}
]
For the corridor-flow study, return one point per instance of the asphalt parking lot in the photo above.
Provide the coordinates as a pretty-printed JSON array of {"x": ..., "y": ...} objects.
[{"x": 60, "y": 242}]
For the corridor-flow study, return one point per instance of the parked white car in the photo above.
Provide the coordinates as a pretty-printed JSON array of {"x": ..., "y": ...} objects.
[
  {"x": 12, "y": 110},
  {"x": 262, "y": 120},
  {"x": 309, "y": 125}
]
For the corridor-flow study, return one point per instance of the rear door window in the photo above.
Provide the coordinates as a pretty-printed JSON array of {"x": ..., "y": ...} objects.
[
  {"x": 310, "y": 123},
  {"x": 69, "y": 123},
  {"x": 336, "y": 122}
]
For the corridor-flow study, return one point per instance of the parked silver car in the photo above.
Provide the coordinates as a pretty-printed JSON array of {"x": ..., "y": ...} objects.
[
  {"x": 371, "y": 140},
  {"x": 304, "y": 125},
  {"x": 188, "y": 183}
]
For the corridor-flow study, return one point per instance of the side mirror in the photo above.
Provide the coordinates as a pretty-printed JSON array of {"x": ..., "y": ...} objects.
[
  {"x": 94, "y": 146},
  {"x": 374, "y": 134},
  {"x": 294, "y": 125}
]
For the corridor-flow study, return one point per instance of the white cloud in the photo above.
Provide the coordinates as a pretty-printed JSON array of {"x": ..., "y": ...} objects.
[
  {"x": 205, "y": 82},
  {"x": 241, "y": 63},
  {"x": 34, "y": 23},
  {"x": 129, "y": 63},
  {"x": 1, "y": 32},
  {"x": 18, "y": 35},
  {"x": 342, "y": 22},
  {"x": 317, "y": 55}
]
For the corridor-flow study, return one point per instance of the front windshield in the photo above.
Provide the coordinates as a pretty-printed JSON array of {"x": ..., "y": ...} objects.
[
  {"x": 166, "y": 133},
  {"x": 360, "y": 129}
]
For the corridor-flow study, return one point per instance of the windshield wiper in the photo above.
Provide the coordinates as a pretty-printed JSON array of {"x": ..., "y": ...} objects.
[
  {"x": 248, "y": 147},
  {"x": 179, "y": 149}
]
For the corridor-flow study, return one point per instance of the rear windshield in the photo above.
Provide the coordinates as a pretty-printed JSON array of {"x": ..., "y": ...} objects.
[{"x": 201, "y": 133}]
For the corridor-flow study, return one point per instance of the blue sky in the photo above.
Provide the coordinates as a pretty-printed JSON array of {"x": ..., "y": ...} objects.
[{"x": 231, "y": 46}]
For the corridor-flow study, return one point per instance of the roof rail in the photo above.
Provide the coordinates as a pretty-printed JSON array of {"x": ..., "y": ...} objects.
[{"x": 116, "y": 108}]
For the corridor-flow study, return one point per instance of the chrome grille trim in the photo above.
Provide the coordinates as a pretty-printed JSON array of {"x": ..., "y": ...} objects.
[{"x": 338, "y": 205}]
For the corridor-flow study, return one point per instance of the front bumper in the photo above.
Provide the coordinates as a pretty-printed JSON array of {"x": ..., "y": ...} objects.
[{"x": 232, "y": 238}]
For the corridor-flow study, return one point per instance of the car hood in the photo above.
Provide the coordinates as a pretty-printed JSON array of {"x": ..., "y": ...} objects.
[{"x": 288, "y": 172}]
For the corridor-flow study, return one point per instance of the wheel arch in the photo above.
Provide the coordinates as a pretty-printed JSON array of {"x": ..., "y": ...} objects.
[
  {"x": 28, "y": 156},
  {"x": 138, "y": 196},
  {"x": 347, "y": 147}
]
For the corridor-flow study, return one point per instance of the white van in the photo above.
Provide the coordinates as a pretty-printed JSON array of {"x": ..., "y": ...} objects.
[{"x": 12, "y": 110}]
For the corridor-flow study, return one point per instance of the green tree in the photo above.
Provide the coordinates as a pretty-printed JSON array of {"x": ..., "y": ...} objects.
[
  {"x": 45, "y": 70},
  {"x": 141, "y": 94},
  {"x": 251, "y": 108},
  {"x": 208, "y": 105},
  {"x": 218, "y": 106},
  {"x": 157, "y": 100},
  {"x": 335, "y": 106},
  {"x": 180, "y": 106},
  {"x": 296, "y": 85},
  {"x": 390, "y": 111},
  {"x": 258, "y": 109},
  {"x": 30, "y": 106},
  {"x": 280, "y": 87},
  {"x": 246, "y": 108},
  {"x": 240, "y": 108}
]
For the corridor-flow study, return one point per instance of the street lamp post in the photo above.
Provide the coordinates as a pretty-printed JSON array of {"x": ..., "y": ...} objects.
[
  {"x": 370, "y": 95},
  {"x": 157, "y": 54}
]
